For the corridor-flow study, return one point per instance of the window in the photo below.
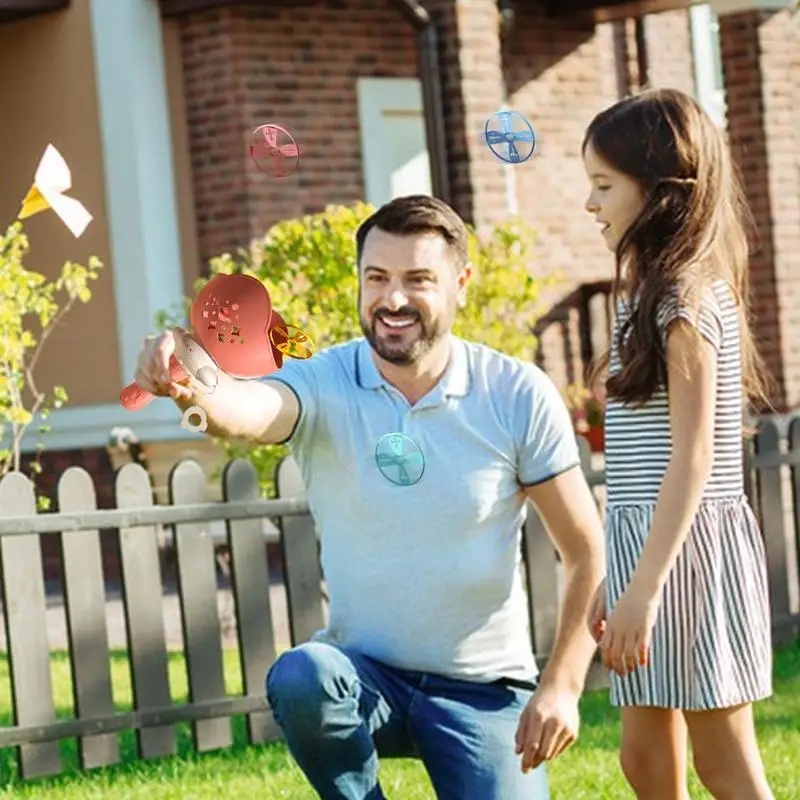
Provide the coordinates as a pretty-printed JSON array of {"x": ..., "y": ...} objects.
[{"x": 394, "y": 151}]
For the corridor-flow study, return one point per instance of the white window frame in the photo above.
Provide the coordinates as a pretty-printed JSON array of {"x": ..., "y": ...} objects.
[
  {"x": 377, "y": 96},
  {"x": 707, "y": 60}
]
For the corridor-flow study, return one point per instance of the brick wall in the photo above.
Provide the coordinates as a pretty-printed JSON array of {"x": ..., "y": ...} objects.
[
  {"x": 248, "y": 65},
  {"x": 761, "y": 62}
]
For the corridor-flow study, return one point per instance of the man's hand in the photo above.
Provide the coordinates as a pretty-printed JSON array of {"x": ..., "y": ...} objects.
[
  {"x": 569, "y": 512},
  {"x": 152, "y": 368},
  {"x": 548, "y": 726}
]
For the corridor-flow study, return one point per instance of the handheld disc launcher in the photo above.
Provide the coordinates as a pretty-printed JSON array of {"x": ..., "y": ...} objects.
[{"x": 235, "y": 329}]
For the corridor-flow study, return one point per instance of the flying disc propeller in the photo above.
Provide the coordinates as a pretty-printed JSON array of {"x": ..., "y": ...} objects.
[
  {"x": 399, "y": 459},
  {"x": 291, "y": 341},
  {"x": 504, "y": 131},
  {"x": 274, "y": 151}
]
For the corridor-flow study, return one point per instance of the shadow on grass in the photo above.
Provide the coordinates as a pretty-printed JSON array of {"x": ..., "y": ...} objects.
[{"x": 599, "y": 724}]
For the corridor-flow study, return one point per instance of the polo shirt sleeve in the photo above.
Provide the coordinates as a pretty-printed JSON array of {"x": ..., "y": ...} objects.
[
  {"x": 546, "y": 439},
  {"x": 303, "y": 377}
]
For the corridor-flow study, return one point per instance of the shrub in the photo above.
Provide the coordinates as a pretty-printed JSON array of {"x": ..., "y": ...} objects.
[
  {"x": 308, "y": 266},
  {"x": 28, "y": 297},
  {"x": 586, "y": 407}
]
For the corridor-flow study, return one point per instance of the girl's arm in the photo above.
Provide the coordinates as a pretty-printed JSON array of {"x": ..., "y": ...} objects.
[{"x": 692, "y": 381}]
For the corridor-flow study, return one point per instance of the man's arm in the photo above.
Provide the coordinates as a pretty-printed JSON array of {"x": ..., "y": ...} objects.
[
  {"x": 569, "y": 513},
  {"x": 550, "y": 722},
  {"x": 257, "y": 412},
  {"x": 252, "y": 411}
]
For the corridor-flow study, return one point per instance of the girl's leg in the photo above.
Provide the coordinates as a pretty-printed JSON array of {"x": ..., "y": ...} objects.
[
  {"x": 653, "y": 753},
  {"x": 726, "y": 754}
]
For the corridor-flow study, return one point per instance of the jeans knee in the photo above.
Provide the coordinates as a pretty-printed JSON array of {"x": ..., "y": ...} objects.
[{"x": 304, "y": 678}]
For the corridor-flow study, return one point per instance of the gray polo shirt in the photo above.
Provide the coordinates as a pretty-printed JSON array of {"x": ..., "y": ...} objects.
[{"x": 426, "y": 575}]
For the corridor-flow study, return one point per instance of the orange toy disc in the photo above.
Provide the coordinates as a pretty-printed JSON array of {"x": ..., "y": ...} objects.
[{"x": 291, "y": 341}]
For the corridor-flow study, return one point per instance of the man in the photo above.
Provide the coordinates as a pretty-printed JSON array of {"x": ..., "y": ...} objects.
[{"x": 419, "y": 451}]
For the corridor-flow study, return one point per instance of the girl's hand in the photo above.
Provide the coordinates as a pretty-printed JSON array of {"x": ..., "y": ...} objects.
[
  {"x": 597, "y": 612},
  {"x": 626, "y": 639}
]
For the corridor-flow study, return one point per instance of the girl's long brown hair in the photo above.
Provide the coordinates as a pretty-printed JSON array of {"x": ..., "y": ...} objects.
[{"x": 692, "y": 230}]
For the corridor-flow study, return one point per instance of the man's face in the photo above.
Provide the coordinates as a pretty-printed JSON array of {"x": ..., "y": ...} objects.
[{"x": 409, "y": 290}]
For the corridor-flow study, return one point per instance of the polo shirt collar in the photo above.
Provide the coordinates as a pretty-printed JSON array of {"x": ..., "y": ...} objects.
[{"x": 456, "y": 381}]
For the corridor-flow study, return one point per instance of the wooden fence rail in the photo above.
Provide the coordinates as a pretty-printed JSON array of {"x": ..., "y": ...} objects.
[{"x": 773, "y": 468}]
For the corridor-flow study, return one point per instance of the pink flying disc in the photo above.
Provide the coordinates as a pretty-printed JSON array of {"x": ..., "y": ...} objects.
[
  {"x": 274, "y": 151},
  {"x": 230, "y": 317}
]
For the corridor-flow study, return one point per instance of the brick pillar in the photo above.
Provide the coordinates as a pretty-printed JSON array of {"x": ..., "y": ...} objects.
[
  {"x": 472, "y": 89},
  {"x": 626, "y": 59},
  {"x": 761, "y": 64},
  {"x": 669, "y": 51}
]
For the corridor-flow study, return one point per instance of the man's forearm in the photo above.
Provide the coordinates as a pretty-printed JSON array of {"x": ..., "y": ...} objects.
[
  {"x": 574, "y": 647},
  {"x": 236, "y": 409}
]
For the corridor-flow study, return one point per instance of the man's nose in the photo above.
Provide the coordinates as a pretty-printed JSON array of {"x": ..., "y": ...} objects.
[{"x": 396, "y": 298}]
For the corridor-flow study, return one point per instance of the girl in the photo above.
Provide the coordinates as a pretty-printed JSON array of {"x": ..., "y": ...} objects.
[{"x": 682, "y": 619}]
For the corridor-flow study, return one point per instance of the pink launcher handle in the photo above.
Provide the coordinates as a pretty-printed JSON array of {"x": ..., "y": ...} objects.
[{"x": 134, "y": 398}]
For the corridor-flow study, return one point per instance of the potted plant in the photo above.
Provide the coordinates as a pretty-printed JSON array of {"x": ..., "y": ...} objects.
[{"x": 587, "y": 408}]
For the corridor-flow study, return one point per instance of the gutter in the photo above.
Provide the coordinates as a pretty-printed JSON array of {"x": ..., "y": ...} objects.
[{"x": 432, "y": 102}]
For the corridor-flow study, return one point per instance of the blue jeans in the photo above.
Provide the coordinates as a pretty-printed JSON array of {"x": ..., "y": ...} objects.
[{"x": 341, "y": 710}]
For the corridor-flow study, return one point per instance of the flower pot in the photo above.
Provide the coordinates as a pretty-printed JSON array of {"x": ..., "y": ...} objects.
[{"x": 595, "y": 435}]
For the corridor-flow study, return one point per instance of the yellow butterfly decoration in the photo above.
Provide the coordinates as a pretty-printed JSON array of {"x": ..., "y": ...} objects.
[{"x": 52, "y": 179}]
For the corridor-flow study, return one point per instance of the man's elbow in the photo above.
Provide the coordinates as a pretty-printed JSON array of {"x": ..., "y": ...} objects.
[{"x": 588, "y": 552}]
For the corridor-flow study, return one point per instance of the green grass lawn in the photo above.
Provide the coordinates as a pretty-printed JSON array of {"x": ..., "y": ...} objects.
[{"x": 589, "y": 771}]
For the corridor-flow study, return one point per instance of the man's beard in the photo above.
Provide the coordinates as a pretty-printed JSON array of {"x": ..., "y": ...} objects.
[{"x": 394, "y": 348}]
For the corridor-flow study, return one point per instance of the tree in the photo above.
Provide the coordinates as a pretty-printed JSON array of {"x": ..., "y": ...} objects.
[{"x": 29, "y": 297}]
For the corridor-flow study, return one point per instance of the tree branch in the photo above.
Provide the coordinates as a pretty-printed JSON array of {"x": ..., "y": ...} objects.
[{"x": 46, "y": 334}]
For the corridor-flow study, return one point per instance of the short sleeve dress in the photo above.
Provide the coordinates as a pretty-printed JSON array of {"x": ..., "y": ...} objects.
[{"x": 711, "y": 643}]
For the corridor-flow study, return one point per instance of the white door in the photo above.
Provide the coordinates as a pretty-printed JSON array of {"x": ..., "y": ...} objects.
[{"x": 394, "y": 152}]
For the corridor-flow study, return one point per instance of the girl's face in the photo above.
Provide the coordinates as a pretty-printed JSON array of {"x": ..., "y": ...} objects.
[{"x": 615, "y": 200}]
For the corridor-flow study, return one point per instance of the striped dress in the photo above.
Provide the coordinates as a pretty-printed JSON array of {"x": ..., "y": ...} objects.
[{"x": 711, "y": 643}]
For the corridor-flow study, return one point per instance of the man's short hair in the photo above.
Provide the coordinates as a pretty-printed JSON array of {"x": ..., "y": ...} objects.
[{"x": 418, "y": 213}]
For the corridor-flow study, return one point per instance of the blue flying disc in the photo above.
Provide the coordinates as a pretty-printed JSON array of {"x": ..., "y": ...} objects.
[
  {"x": 503, "y": 131},
  {"x": 400, "y": 459}
]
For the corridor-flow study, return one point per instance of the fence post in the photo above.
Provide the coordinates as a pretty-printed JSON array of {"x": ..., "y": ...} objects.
[
  {"x": 794, "y": 449},
  {"x": 749, "y": 472},
  {"x": 250, "y": 586},
  {"x": 25, "y": 613},
  {"x": 85, "y": 600},
  {"x": 300, "y": 557},
  {"x": 770, "y": 504},
  {"x": 197, "y": 587},
  {"x": 144, "y": 612}
]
